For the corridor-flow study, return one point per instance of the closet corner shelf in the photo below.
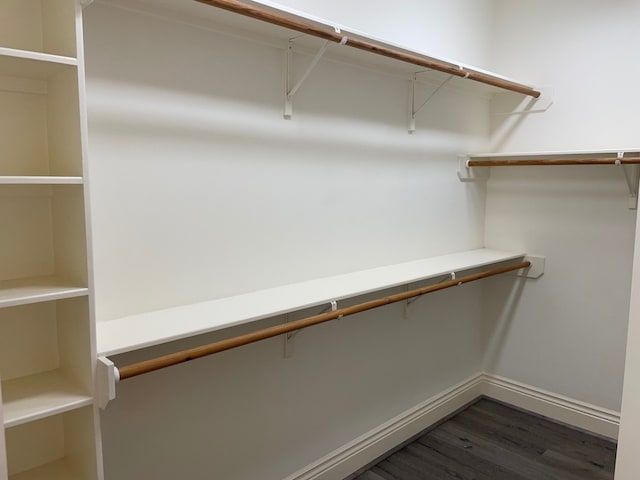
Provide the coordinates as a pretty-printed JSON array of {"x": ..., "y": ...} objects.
[
  {"x": 39, "y": 180},
  {"x": 58, "y": 470},
  {"x": 39, "y": 289},
  {"x": 152, "y": 328},
  {"x": 23, "y": 63},
  {"x": 30, "y": 398}
]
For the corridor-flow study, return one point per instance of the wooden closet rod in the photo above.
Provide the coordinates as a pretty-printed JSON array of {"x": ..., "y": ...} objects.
[
  {"x": 560, "y": 161},
  {"x": 307, "y": 27},
  {"x": 147, "y": 366}
]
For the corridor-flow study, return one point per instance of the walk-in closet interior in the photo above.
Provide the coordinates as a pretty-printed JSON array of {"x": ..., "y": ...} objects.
[{"x": 244, "y": 240}]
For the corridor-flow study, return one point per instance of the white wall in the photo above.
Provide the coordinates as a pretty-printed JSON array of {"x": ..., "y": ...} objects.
[
  {"x": 567, "y": 333},
  {"x": 200, "y": 190}
]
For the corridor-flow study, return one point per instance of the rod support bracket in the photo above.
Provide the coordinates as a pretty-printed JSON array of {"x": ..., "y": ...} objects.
[
  {"x": 107, "y": 376},
  {"x": 471, "y": 174},
  {"x": 536, "y": 270}
]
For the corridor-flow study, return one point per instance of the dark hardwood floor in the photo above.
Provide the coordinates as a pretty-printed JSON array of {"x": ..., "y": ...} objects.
[{"x": 490, "y": 441}]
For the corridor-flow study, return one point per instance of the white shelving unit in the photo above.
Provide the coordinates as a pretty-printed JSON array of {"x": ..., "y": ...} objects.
[
  {"x": 47, "y": 345},
  {"x": 152, "y": 328}
]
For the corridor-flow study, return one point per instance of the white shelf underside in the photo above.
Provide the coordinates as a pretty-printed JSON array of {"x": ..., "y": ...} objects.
[
  {"x": 40, "y": 289},
  {"x": 30, "y": 398},
  {"x": 153, "y": 328}
]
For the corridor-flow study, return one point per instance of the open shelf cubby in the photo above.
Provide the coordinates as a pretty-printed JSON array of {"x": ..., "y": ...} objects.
[
  {"x": 45, "y": 359},
  {"x": 42, "y": 243},
  {"x": 46, "y": 26},
  {"x": 59, "y": 447}
]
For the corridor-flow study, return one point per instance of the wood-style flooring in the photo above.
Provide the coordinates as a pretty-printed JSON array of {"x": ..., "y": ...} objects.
[{"x": 490, "y": 441}]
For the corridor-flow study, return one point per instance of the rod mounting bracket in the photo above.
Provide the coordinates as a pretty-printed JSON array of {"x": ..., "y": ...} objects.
[
  {"x": 106, "y": 378},
  {"x": 468, "y": 174},
  {"x": 535, "y": 270}
]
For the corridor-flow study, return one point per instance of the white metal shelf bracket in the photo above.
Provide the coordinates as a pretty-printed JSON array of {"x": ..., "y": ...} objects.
[
  {"x": 414, "y": 110},
  {"x": 632, "y": 175},
  {"x": 107, "y": 376},
  {"x": 409, "y": 301},
  {"x": 288, "y": 337},
  {"x": 290, "y": 89}
]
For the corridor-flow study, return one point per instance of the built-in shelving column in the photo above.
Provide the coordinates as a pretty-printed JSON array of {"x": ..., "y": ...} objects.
[{"x": 47, "y": 342}]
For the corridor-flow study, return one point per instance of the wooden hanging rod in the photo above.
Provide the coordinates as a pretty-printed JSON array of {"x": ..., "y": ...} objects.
[
  {"x": 307, "y": 27},
  {"x": 198, "y": 352},
  {"x": 558, "y": 161}
]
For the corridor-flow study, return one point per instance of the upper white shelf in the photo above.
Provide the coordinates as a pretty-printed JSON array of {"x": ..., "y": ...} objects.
[
  {"x": 23, "y": 63},
  {"x": 39, "y": 289},
  {"x": 558, "y": 153},
  {"x": 152, "y": 328},
  {"x": 239, "y": 26}
]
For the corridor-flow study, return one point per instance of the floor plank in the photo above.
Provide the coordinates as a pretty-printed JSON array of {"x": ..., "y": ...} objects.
[{"x": 491, "y": 441}]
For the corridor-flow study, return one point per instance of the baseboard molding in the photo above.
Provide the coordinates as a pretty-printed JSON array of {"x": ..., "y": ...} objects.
[
  {"x": 350, "y": 457},
  {"x": 347, "y": 459},
  {"x": 575, "y": 413}
]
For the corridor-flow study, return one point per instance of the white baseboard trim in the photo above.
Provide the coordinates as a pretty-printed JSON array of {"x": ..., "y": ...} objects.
[
  {"x": 354, "y": 455},
  {"x": 563, "y": 409},
  {"x": 347, "y": 459}
]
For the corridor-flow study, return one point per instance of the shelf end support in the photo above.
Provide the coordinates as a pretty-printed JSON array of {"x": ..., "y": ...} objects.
[
  {"x": 107, "y": 376},
  {"x": 471, "y": 174}
]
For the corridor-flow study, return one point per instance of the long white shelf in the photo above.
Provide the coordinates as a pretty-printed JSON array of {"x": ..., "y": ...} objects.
[
  {"x": 24, "y": 63},
  {"x": 559, "y": 153},
  {"x": 39, "y": 180},
  {"x": 234, "y": 25},
  {"x": 153, "y": 328},
  {"x": 30, "y": 398},
  {"x": 34, "y": 290}
]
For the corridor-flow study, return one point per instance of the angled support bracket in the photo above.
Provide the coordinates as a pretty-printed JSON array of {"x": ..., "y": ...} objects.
[
  {"x": 288, "y": 337},
  {"x": 409, "y": 301},
  {"x": 414, "y": 111},
  {"x": 290, "y": 89},
  {"x": 107, "y": 376},
  {"x": 632, "y": 175}
]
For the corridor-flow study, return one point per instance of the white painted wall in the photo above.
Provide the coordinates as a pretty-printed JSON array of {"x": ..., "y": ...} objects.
[
  {"x": 201, "y": 190},
  {"x": 567, "y": 332}
]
